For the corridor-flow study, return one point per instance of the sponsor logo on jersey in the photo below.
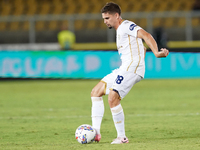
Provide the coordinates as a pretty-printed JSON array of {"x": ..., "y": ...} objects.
[{"x": 132, "y": 26}]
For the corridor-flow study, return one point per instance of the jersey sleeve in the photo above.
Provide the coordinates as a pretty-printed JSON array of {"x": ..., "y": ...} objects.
[{"x": 132, "y": 28}]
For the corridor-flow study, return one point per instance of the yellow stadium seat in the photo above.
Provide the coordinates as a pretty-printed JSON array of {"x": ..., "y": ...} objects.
[
  {"x": 31, "y": 7},
  {"x": 57, "y": 9},
  {"x": 40, "y": 25},
  {"x": 44, "y": 8},
  {"x": 96, "y": 8},
  {"x": 6, "y": 9},
  {"x": 3, "y": 26},
  {"x": 139, "y": 7},
  {"x": 25, "y": 26},
  {"x": 103, "y": 25},
  {"x": 126, "y": 7},
  {"x": 196, "y": 22},
  {"x": 157, "y": 22},
  {"x": 14, "y": 26},
  {"x": 71, "y": 7},
  {"x": 149, "y": 7},
  {"x": 161, "y": 6},
  {"x": 119, "y": 2},
  {"x": 55, "y": 2},
  {"x": 168, "y": 22},
  {"x": 83, "y": 6},
  {"x": 18, "y": 10},
  {"x": 92, "y": 24},
  {"x": 53, "y": 25},
  {"x": 79, "y": 24},
  {"x": 65, "y": 22},
  {"x": 31, "y": 1},
  {"x": 181, "y": 22},
  {"x": 18, "y": 2},
  {"x": 191, "y": 4},
  {"x": 142, "y": 22}
]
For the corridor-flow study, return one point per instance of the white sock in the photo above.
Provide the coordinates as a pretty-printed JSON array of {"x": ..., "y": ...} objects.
[
  {"x": 118, "y": 118},
  {"x": 97, "y": 112}
]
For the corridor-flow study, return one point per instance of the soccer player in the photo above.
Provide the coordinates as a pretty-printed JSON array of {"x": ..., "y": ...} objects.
[{"x": 118, "y": 83}]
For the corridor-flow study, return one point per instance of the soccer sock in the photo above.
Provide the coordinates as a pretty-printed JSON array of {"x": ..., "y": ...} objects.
[
  {"x": 118, "y": 118},
  {"x": 97, "y": 112}
]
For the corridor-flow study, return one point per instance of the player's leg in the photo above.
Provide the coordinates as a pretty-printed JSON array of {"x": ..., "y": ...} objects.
[
  {"x": 97, "y": 108},
  {"x": 102, "y": 88},
  {"x": 99, "y": 90},
  {"x": 118, "y": 116},
  {"x": 122, "y": 85}
]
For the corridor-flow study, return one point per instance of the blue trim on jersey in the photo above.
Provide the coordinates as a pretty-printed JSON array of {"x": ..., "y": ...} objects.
[{"x": 132, "y": 26}]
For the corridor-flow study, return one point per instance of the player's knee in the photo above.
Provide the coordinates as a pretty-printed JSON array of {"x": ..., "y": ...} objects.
[
  {"x": 96, "y": 92},
  {"x": 93, "y": 92},
  {"x": 113, "y": 102},
  {"x": 113, "y": 99},
  {"x": 110, "y": 100}
]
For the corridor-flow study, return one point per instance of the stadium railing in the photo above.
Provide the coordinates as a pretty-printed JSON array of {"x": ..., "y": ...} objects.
[{"x": 148, "y": 16}]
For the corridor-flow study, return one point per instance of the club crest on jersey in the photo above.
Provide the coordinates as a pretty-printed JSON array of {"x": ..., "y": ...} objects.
[{"x": 132, "y": 26}]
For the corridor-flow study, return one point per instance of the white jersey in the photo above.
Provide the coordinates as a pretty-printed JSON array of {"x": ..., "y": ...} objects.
[{"x": 130, "y": 48}]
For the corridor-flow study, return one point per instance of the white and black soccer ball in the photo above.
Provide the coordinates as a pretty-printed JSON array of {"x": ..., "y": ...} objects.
[{"x": 85, "y": 134}]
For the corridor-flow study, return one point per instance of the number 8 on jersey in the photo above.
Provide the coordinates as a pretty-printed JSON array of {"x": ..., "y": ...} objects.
[{"x": 119, "y": 79}]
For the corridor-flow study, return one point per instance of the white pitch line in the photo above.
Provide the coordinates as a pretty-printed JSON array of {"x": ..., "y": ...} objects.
[
  {"x": 162, "y": 115},
  {"x": 76, "y": 116}
]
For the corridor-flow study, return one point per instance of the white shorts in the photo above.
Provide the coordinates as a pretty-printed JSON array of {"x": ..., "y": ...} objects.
[{"x": 121, "y": 81}]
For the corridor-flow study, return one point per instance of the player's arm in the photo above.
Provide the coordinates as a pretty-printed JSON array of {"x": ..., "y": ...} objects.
[{"x": 152, "y": 43}]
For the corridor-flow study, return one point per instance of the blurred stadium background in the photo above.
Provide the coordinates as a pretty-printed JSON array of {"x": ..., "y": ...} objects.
[{"x": 34, "y": 24}]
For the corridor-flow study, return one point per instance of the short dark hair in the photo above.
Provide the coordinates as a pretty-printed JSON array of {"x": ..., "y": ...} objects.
[{"x": 111, "y": 8}]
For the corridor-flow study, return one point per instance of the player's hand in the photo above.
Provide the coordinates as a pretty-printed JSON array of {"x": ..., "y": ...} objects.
[{"x": 163, "y": 53}]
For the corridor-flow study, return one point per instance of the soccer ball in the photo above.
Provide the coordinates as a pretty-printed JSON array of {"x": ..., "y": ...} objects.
[{"x": 85, "y": 134}]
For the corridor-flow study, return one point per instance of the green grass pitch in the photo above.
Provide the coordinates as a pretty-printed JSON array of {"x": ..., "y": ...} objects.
[{"x": 44, "y": 114}]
